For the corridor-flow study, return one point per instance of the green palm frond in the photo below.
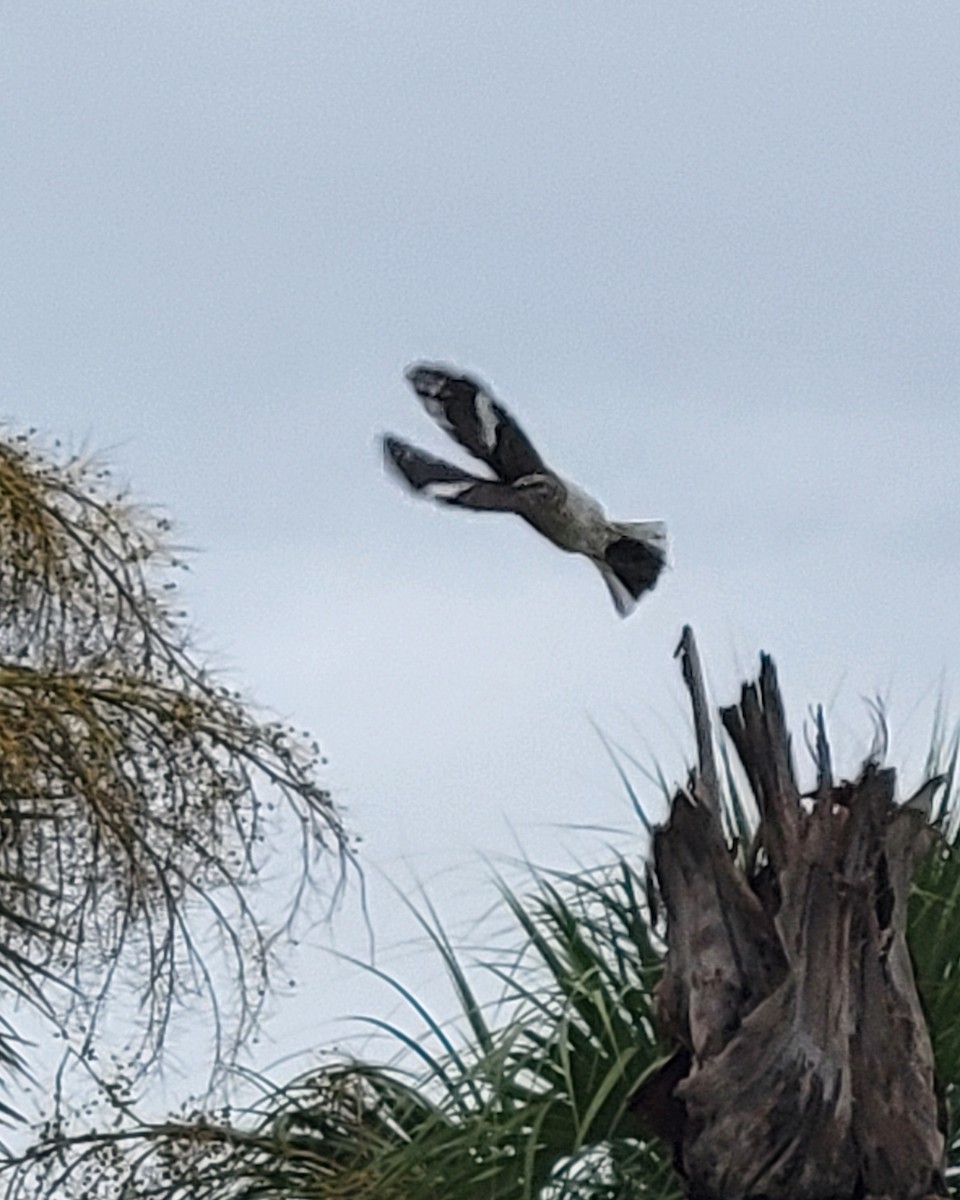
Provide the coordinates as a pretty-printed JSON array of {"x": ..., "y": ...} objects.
[{"x": 538, "y": 1104}]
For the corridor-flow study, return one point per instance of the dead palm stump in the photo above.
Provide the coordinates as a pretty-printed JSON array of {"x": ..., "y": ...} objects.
[{"x": 804, "y": 1064}]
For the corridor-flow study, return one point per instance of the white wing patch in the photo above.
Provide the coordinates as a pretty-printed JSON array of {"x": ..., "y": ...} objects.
[
  {"x": 436, "y": 408},
  {"x": 488, "y": 420},
  {"x": 447, "y": 489}
]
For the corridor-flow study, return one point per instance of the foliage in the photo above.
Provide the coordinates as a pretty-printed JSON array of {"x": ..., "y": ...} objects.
[
  {"x": 132, "y": 784},
  {"x": 520, "y": 1111},
  {"x": 537, "y": 1103}
]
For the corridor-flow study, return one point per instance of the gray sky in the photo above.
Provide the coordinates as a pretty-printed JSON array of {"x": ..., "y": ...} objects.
[{"x": 708, "y": 253}]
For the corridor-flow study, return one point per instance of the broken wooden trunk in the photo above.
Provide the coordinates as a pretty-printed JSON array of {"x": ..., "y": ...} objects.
[{"x": 803, "y": 1066}]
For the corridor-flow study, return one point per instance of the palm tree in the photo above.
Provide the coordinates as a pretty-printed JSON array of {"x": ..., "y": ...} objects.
[
  {"x": 132, "y": 784},
  {"x": 772, "y": 1010}
]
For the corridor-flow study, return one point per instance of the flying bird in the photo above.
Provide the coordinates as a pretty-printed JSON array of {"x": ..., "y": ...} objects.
[{"x": 628, "y": 554}]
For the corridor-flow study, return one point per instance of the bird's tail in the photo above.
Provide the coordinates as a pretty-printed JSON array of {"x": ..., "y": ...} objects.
[
  {"x": 653, "y": 533},
  {"x": 633, "y": 560}
]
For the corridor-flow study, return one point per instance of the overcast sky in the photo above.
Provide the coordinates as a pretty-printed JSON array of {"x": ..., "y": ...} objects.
[{"x": 709, "y": 255}]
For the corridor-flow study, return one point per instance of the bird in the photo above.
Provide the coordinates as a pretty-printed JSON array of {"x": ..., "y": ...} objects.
[{"x": 630, "y": 555}]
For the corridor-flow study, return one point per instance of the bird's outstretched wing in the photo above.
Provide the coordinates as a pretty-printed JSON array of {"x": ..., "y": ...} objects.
[
  {"x": 443, "y": 481},
  {"x": 472, "y": 417}
]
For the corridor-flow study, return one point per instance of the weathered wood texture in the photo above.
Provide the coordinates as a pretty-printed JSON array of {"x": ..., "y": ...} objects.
[{"x": 788, "y": 988}]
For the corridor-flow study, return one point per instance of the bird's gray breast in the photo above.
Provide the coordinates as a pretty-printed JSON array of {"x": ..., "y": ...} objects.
[{"x": 563, "y": 513}]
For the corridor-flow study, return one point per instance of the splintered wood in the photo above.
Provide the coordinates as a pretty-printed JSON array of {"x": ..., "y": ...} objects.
[{"x": 803, "y": 1061}]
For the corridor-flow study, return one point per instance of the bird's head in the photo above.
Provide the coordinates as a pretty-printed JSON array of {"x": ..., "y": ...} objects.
[
  {"x": 537, "y": 487},
  {"x": 529, "y": 483}
]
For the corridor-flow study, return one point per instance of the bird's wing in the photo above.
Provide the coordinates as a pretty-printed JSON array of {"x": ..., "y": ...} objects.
[
  {"x": 630, "y": 566},
  {"x": 472, "y": 417},
  {"x": 443, "y": 481}
]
